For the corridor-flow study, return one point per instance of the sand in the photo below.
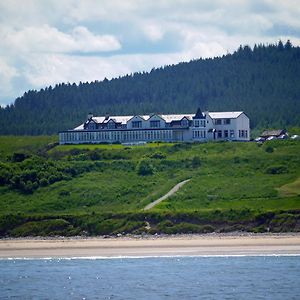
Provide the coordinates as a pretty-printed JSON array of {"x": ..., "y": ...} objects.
[{"x": 189, "y": 245}]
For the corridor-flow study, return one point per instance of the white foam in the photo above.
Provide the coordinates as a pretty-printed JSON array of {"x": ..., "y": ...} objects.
[{"x": 151, "y": 256}]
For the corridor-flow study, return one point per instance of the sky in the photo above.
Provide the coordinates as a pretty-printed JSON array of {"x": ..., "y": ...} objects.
[{"x": 45, "y": 42}]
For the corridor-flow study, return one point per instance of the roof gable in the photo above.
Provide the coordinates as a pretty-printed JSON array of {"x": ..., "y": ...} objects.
[
  {"x": 160, "y": 117},
  {"x": 138, "y": 117},
  {"x": 199, "y": 114}
]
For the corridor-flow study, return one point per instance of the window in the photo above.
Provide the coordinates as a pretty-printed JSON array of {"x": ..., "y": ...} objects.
[
  {"x": 111, "y": 125},
  {"x": 225, "y": 133},
  {"x": 184, "y": 123},
  {"x": 91, "y": 126},
  {"x": 203, "y": 123},
  {"x": 219, "y": 134},
  {"x": 136, "y": 124},
  {"x": 196, "y": 123},
  {"x": 243, "y": 133},
  {"x": 155, "y": 124},
  {"x": 218, "y": 121},
  {"x": 226, "y": 121},
  {"x": 232, "y": 133}
]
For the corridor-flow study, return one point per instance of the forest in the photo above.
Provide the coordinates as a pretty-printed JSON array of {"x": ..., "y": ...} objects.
[{"x": 263, "y": 81}]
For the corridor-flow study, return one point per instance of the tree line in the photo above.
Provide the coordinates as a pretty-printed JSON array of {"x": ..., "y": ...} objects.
[{"x": 263, "y": 81}]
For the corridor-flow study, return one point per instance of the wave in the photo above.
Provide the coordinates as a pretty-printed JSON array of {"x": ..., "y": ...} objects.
[{"x": 151, "y": 256}]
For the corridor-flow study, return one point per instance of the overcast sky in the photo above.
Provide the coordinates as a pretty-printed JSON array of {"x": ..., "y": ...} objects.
[{"x": 46, "y": 42}]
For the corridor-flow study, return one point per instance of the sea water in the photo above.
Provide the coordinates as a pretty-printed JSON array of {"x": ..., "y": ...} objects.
[{"x": 247, "y": 277}]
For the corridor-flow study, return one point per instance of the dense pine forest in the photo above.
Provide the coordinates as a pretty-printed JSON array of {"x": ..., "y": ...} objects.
[{"x": 263, "y": 81}]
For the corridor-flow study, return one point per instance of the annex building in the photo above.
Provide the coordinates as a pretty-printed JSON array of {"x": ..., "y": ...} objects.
[{"x": 201, "y": 126}]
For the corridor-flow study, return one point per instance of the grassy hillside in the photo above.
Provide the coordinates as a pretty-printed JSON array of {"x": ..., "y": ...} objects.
[{"x": 47, "y": 189}]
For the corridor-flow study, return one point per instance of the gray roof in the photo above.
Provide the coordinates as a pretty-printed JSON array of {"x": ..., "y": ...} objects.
[
  {"x": 268, "y": 133},
  {"x": 167, "y": 118}
]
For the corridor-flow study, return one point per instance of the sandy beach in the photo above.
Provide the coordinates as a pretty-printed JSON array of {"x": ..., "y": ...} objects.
[{"x": 152, "y": 246}]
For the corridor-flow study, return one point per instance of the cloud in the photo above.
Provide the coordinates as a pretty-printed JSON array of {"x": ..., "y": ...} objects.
[
  {"x": 153, "y": 31},
  {"x": 47, "y": 42},
  {"x": 46, "y": 39},
  {"x": 7, "y": 75}
]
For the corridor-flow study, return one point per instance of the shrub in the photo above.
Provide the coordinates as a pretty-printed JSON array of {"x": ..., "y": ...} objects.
[
  {"x": 269, "y": 149},
  {"x": 236, "y": 160},
  {"x": 157, "y": 155},
  {"x": 44, "y": 182},
  {"x": 42, "y": 228},
  {"x": 5, "y": 176},
  {"x": 145, "y": 168},
  {"x": 280, "y": 169},
  {"x": 94, "y": 155},
  {"x": 64, "y": 193},
  {"x": 19, "y": 157},
  {"x": 196, "y": 162}
]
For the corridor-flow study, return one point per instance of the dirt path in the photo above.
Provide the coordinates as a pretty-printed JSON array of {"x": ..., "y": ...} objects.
[{"x": 167, "y": 195}]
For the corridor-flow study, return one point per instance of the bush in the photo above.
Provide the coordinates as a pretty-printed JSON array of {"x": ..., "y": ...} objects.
[
  {"x": 269, "y": 149},
  {"x": 44, "y": 182},
  {"x": 5, "y": 176},
  {"x": 236, "y": 160},
  {"x": 44, "y": 227},
  {"x": 19, "y": 157},
  {"x": 145, "y": 168},
  {"x": 157, "y": 155},
  {"x": 280, "y": 169},
  {"x": 196, "y": 162},
  {"x": 94, "y": 155},
  {"x": 64, "y": 193}
]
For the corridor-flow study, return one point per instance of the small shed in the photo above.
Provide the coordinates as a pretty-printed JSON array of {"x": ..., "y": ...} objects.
[{"x": 274, "y": 133}]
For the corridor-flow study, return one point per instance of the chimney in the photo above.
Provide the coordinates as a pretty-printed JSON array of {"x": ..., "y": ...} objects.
[{"x": 90, "y": 116}]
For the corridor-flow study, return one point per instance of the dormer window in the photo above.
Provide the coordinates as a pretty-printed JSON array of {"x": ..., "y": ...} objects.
[
  {"x": 136, "y": 124},
  {"x": 184, "y": 123},
  {"x": 111, "y": 125},
  {"x": 155, "y": 124},
  {"x": 92, "y": 126}
]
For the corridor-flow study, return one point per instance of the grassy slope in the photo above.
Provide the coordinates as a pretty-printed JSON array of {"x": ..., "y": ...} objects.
[
  {"x": 27, "y": 144},
  {"x": 238, "y": 178},
  {"x": 232, "y": 176}
]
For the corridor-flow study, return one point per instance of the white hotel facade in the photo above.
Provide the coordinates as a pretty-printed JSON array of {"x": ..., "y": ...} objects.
[{"x": 199, "y": 127}]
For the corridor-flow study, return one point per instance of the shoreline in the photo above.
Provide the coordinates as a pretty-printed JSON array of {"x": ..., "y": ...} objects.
[{"x": 232, "y": 244}]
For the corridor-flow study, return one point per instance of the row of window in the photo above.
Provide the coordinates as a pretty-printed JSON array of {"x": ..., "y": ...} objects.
[
  {"x": 199, "y": 134},
  {"x": 156, "y": 124},
  {"x": 117, "y": 136},
  {"x": 222, "y": 121},
  {"x": 230, "y": 134},
  {"x": 200, "y": 123},
  {"x": 225, "y": 134}
]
